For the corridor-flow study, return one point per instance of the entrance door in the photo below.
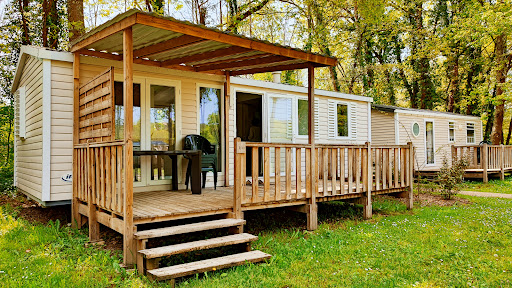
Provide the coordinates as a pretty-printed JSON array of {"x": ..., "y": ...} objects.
[
  {"x": 249, "y": 125},
  {"x": 429, "y": 142}
]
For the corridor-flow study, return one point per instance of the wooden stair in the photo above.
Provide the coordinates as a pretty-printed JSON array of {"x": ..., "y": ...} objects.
[{"x": 148, "y": 258}]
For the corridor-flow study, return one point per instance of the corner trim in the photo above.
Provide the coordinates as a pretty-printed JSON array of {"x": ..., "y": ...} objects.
[{"x": 47, "y": 130}]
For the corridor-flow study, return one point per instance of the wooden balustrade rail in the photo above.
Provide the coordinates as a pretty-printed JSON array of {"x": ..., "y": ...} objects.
[
  {"x": 282, "y": 172},
  {"x": 487, "y": 158},
  {"x": 100, "y": 175}
]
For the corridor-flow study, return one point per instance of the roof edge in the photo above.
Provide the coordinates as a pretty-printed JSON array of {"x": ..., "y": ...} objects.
[
  {"x": 38, "y": 52},
  {"x": 298, "y": 89},
  {"x": 415, "y": 111}
]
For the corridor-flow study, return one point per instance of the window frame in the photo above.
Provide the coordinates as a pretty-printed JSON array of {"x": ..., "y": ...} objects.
[
  {"x": 474, "y": 132},
  {"x": 222, "y": 149},
  {"x": 412, "y": 129},
  {"x": 296, "y": 118},
  {"x": 433, "y": 140},
  {"x": 349, "y": 121},
  {"x": 454, "y": 132}
]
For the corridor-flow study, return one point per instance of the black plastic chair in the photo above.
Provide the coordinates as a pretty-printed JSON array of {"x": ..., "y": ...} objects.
[{"x": 208, "y": 158}]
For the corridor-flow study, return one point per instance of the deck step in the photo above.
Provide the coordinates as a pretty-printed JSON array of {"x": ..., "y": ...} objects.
[
  {"x": 189, "y": 228},
  {"x": 197, "y": 245},
  {"x": 181, "y": 270}
]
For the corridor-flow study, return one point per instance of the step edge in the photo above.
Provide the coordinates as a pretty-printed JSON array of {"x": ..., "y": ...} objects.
[
  {"x": 262, "y": 257},
  {"x": 141, "y": 234},
  {"x": 250, "y": 238}
]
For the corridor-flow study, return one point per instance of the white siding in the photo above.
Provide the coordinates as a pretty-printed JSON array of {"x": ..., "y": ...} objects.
[
  {"x": 28, "y": 168},
  {"x": 442, "y": 145},
  {"x": 62, "y": 130},
  {"x": 383, "y": 128}
]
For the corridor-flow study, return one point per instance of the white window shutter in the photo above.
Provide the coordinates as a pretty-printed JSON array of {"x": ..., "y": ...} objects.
[
  {"x": 332, "y": 120},
  {"x": 19, "y": 113},
  {"x": 317, "y": 119},
  {"x": 289, "y": 119},
  {"x": 353, "y": 121}
]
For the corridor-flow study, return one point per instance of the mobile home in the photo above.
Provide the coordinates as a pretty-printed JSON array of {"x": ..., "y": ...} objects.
[{"x": 112, "y": 117}]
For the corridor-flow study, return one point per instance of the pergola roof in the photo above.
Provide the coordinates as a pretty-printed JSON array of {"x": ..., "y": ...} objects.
[{"x": 167, "y": 42}]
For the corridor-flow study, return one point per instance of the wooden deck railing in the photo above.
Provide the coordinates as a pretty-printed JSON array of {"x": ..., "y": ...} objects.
[
  {"x": 99, "y": 175},
  {"x": 485, "y": 158},
  {"x": 283, "y": 172}
]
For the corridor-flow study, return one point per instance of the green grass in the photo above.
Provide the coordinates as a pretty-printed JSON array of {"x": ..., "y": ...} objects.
[
  {"x": 494, "y": 186},
  {"x": 458, "y": 246}
]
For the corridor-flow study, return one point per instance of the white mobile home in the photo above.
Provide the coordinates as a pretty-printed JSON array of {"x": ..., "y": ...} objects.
[
  {"x": 432, "y": 133},
  {"x": 44, "y": 118}
]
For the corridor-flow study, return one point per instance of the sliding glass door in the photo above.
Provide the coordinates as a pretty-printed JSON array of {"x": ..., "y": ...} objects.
[
  {"x": 154, "y": 126},
  {"x": 429, "y": 142}
]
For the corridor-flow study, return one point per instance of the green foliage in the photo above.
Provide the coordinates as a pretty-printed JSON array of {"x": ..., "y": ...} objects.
[
  {"x": 451, "y": 176},
  {"x": 493, "y": 186}
]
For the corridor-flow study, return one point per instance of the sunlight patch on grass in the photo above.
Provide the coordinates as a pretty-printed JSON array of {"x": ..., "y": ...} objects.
[{"x": 493, "y": 186}]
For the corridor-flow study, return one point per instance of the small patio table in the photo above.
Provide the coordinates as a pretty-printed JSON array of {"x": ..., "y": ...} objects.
[{"x": 195, "y": 157}]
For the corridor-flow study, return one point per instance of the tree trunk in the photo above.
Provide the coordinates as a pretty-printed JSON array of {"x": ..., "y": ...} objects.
[
  {"x": 54, "y": 24},
  {"x": 25, "y": 39},
  {"x": 44, "y": 29},
  {"x": 454, "y": 85},
  {"x": 501, "y": 76},
  {"x": 75, "y": 19},
  {"x": 509, "y": 131}
]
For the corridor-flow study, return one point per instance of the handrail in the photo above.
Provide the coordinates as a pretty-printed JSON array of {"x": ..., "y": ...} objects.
[
  {"x": 485, "y": 157},
  {"x": 340, "y": 169},
  {"x": 100, "y": 177}
]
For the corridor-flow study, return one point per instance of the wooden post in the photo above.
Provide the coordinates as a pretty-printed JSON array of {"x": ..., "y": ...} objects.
[
  {"x": 312, "y": 209},
  {"x": 76, "y": 221},
  {"x": 484, "y": 161},
  {"x": 129, "y": 249},
  {"x": 94, "y": 226},
  {"x": 227, "y": 88},
  {"x": 367, "y": 200},
  {"x": 454, "y": 153},
  {"x": 502, "y": 162},
  {"x": 410, "y": 198},
  {"x": 239, "y": 178}
]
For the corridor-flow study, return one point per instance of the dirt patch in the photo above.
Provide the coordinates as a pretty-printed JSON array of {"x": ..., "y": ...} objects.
[{"x": 427, "y": 199}]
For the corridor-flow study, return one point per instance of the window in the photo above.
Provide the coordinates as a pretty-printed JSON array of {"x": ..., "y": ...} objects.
[
  {"x": 280, "y": 114},
  {"x": 451, "y": 131},
  {"x": 209, "y": 118},
  {"x": 429, "y": 141},
  {"x": 470, "y": 133},
  {"x": 415, "y": 129},
  {"x": 342, "y": 113},
  {"x": 302, "y": 117},
  {"x": 119, "y": 123},
  {"x": 162, "y": 117}
]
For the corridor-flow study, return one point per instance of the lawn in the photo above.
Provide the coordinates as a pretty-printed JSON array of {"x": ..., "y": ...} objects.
[
  {"x": 450, "y": 246},
  {"x": 494, "y": 186}
]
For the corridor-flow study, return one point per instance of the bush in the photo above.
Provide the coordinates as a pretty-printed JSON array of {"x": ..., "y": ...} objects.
[
  {"x": 6, "y": 180},
  {"x": 451, "y": 176}
]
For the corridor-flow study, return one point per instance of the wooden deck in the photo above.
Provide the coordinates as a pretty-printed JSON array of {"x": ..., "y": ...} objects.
[{"x": 171, "y": 205}]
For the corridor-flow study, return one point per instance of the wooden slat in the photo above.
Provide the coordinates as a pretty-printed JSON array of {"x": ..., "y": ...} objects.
[
  {"x": 395, "y": 156},
  {"x": 103, "y": 91},
  {"x": 288, "y": 159},
  {"x": 266, "y": 173},
  {"x": 342, "y": 171},
  {"x": 350, "y": 158},
  {"x": 390, "y": 169},
  {"x": 378, "y": 161},
  {"x": 106, "y": 103},
  {"x": 357, "y": 165},
  {"x": 325, "y": 170},
  {"x": 168, "y": 45},
  {"x": 100, "y": 119},
  {"x": 254, "y": 174},
  {"x": 298, "y": 172},
  {"x": 384, "y": 170},
  {"x": 402, "y": 167},
  {"x": 96, "y": 133},
  {"x": 189, "y": 228},
  {"x": 364, "y": 167},
  {"x": 308, "y": 172},
  {"x": 334, "y": 172},
  {"x": 96, "y": 81},
  {"x": 277, "y": 167},
  {"x": 233, "y": 50}
]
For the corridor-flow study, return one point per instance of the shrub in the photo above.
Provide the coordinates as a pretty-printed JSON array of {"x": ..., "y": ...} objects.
[{"x": 451, "y": 176}]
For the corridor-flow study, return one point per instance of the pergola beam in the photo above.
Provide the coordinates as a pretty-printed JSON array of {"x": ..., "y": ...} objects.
[
  {"x": 108, "y": 31},
  {"x": 234, "y": 50},
  {"x": 243, "y": 63},
  {"x": 270, "y": 69},
  {"x": 234, "y": 40},
  {"x": 168, "y": 45}
]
